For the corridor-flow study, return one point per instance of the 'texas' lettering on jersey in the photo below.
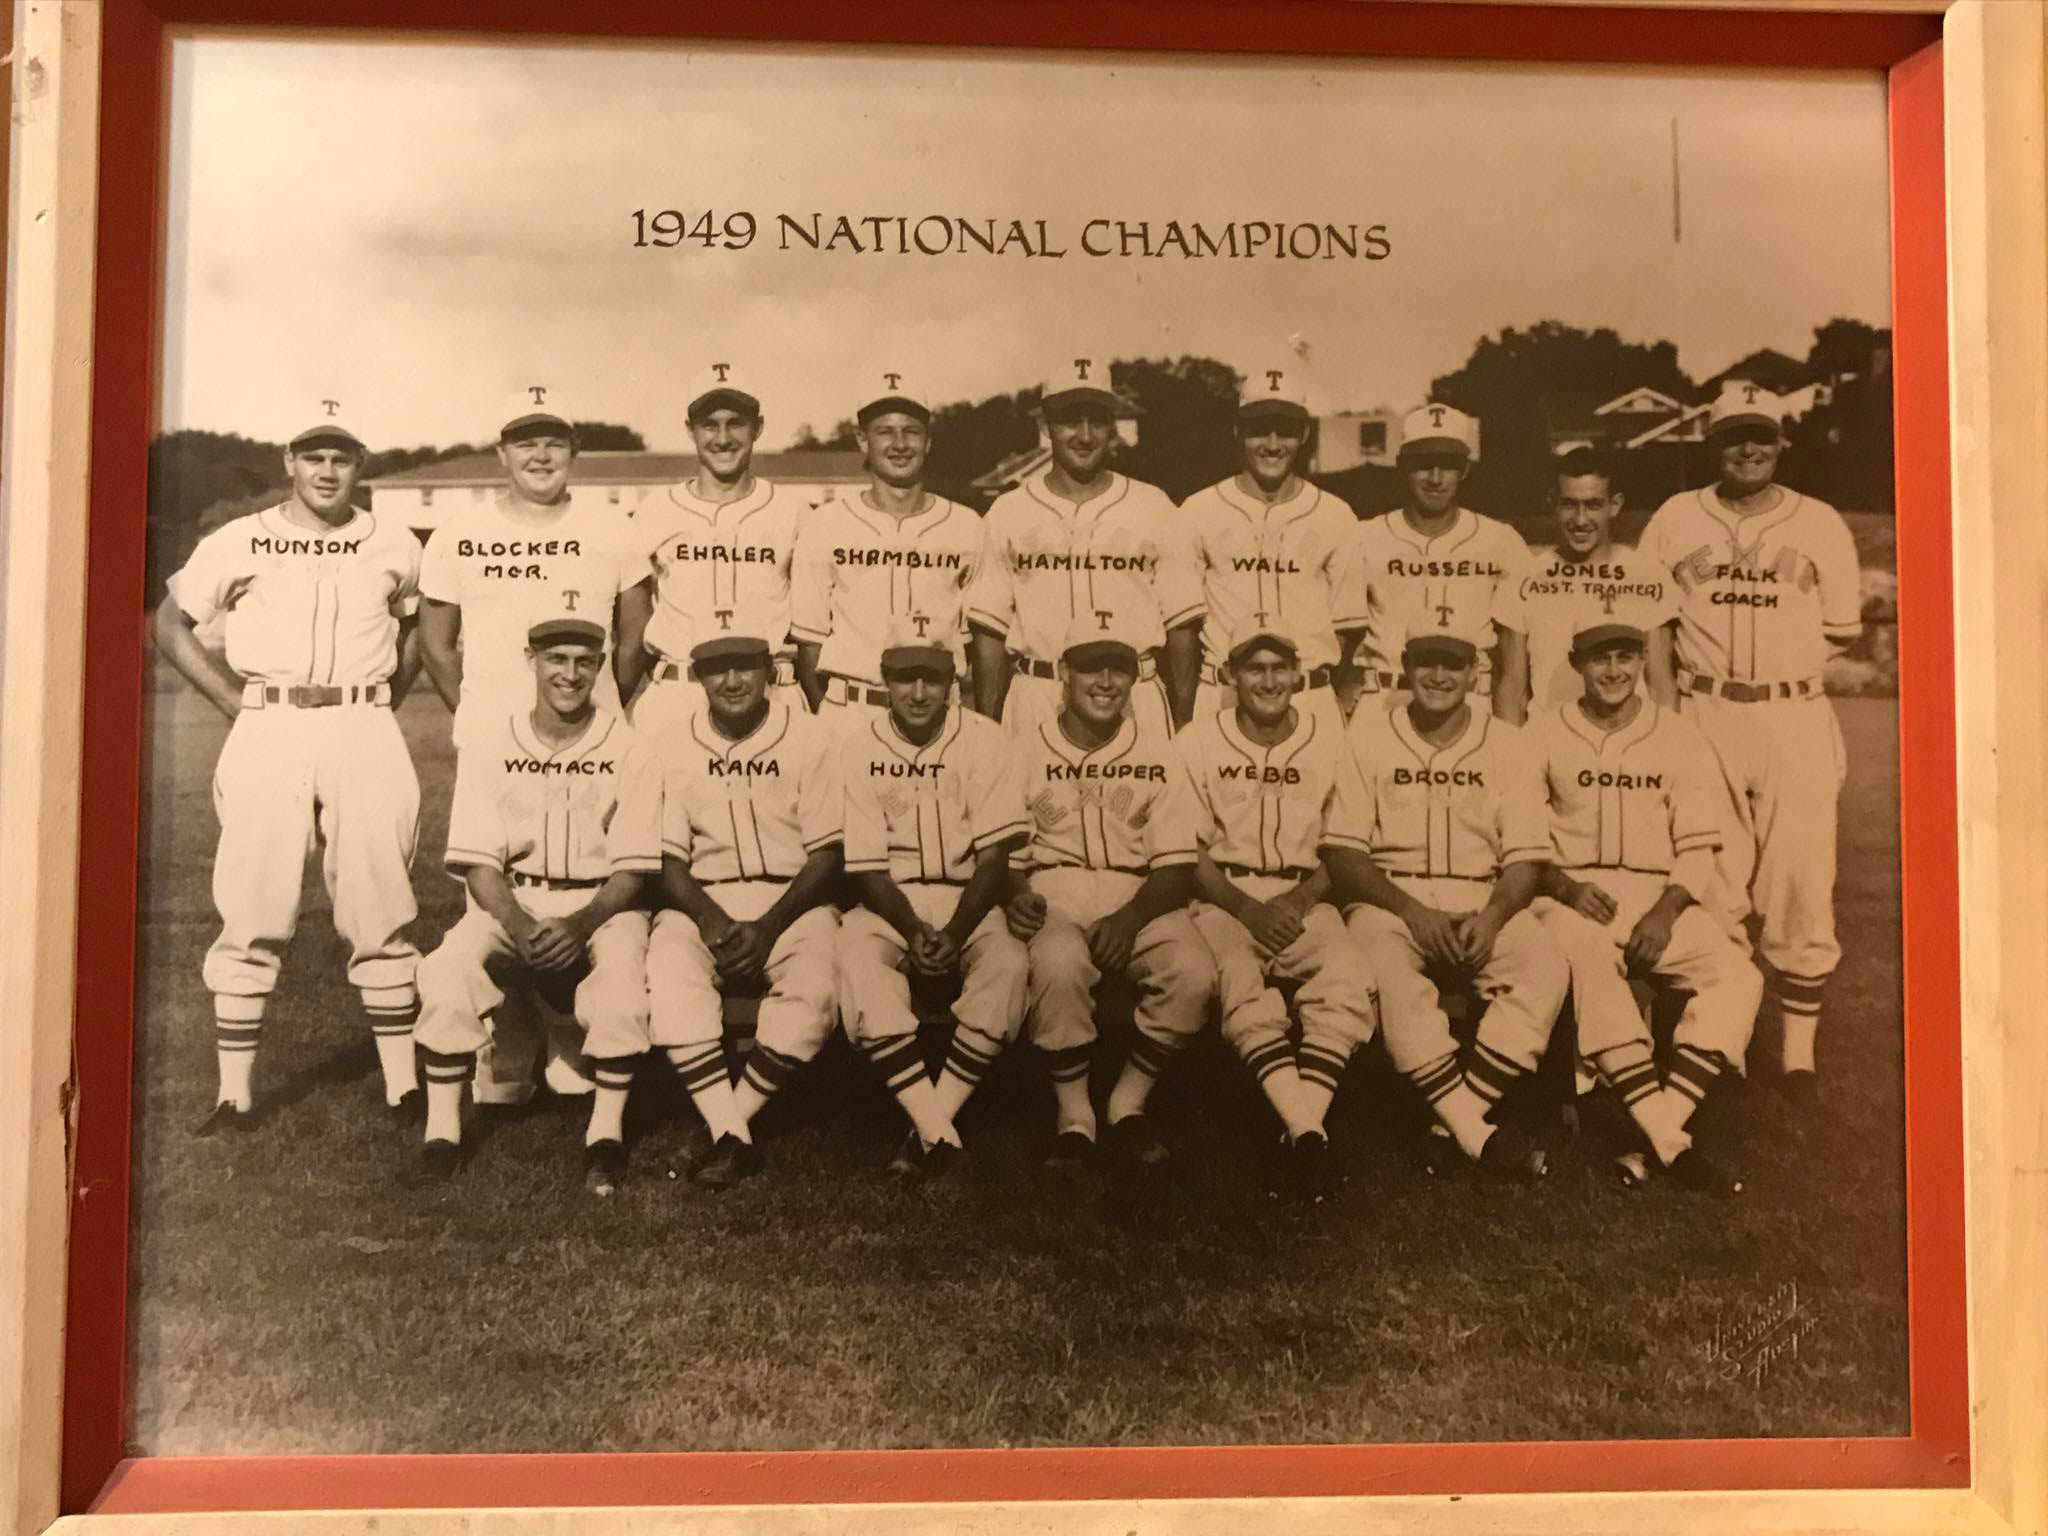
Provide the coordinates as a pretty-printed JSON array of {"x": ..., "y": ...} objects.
[
  {"x": 545, "y": 768},
  {"x": 1042, "y": 560},
  {"x": 1789, "y": 569},
  {"x": 719, "y": 768},
  {"x": 1253, "y": 773},
  {"x": 1459, "y": 777},
  {"x": 1396, "y": 566},
  {"x": 1588, "y": 779},
  {"x": 684, "y": 553},
  {"x": 1153, "y": 772},
  {"x": 903, "y": 559},
  {"x": 265, "y": 544}
]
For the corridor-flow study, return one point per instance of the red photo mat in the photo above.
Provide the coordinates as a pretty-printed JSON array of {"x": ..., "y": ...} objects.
[{"x": 131, "y": 146}]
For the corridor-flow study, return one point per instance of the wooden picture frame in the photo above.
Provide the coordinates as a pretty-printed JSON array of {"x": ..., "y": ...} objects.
[{"x": 1969, "y": 118}]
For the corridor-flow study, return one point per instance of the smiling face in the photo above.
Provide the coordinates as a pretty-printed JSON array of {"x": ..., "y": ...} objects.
[
  {"x": 538, "y": 465},
  {"x": 917, "y": 697},
  {"x": 1265, "y": 678},
  {"x": 1747, "y": 457},
  {"x": 735, "y": 688},
  {"x": 1439, "y": 677},
  {"x": 1096, "y": 687},
  {"x": 894, "y": 446},
  {"x": 1271, "y": 444},
  {"x": 1610, "y": 671},
  {"x": 724, "y": 439},
  {"x": 564, "y": 673},
  {"x": 1584, "y": 507},
  {"x": 1081, "y": 432},
  {"x": 323, "y": 477},
  {"x": 1433, "y": 481}
]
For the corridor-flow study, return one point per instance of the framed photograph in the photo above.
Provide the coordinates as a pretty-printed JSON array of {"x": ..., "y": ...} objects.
[{"x": 1127, "y": 765}]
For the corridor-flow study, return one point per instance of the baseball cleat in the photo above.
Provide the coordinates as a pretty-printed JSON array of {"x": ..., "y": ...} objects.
[
  {"x": 1440, "y": 1155},
  {"x": 437, "y": 1163},
  {"x": 1279, "y": 1168},
  {"x": 1315, "y": 1170},
  {"x": 729, "y": 1161},
  {"x": 1801, "y": 1090},
  {"x": 1697, "y": 1171},
  {"x": 945, "y": 1161},
  {"x": 1511, "y": 1155},
  {"x": 604, "y": 1166},
  {"x": 907, "y": 1166},
  {"x": 1071, "y": 1153},
  {"x": 225, "y": 1116},
  {"x": 410, "y": 1109},
  {"x": 1631, "y": 1170},
  {"x": 1135, "y": 1145}
]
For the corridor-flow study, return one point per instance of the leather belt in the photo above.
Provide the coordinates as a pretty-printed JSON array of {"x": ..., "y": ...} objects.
[
  {"x": 314, "y": 696},
  {"x": 1285, "y": 872},
  {"x": 1319, "y": 677},
  {"x": 1749, "y": 693},
  {"x": 1031, "y": 666},
  {"x": 843, "y": 690},
  {"x": 548, "y": 883},
  {"x": 1376, "y": 681}
]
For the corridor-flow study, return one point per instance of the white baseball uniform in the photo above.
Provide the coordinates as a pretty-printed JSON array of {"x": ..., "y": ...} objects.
[
  {"x": 718, "y": 569},
  {"x": 1101, "y": 821},
  {"x": 856, "y": 569},
  {"x": 744, "y": 816},
  {"x": 1632, "y": 811},
  {"x": 1762, "y": 600},
  {"x": 1560, "y": 594},
  {"x": 1294, "y": 564},
  {"x": 924, "y": 816},
  {"x": 311, "y": 622},
  {"x": 507, "y": 569},
  {"x": 1117, "y": 557},
  {"x": 1474, "y": 570},
  {"x": 557, "y": 821},
  {"x": 1263, "y": 814},
  {"x": 1443, "y": 822}
]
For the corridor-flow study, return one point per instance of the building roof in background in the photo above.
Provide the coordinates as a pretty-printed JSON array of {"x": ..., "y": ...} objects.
[{"x": 629, "y": 467}]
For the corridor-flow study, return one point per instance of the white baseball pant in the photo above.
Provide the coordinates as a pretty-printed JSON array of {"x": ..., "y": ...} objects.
[
  {"x": 796, "y": 1014},
  {"x": 1336, "y": 997},
  {"x": 874, "y": 993},
  {"x": 1175, "y": 973}
]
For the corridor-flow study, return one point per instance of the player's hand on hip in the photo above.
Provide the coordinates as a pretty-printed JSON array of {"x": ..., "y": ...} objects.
[
  {"x": 1274, "y": 926},
  {"x": 1025, "y": 913},
  {"x": 1111, "y": 940},
  {"x": 1590, "y": 901},
  {"x": 1435, "y": 934},
  {"x": 1648, "y": 940}
]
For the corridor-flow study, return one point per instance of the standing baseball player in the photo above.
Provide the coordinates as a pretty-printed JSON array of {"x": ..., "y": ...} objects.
[
  {"x": 1103, "y": 888},
  {"x": 894, "y": 551},
  {"x": 1431, "y": 556},
  {"x": 1082, "y": 542},
  {"x": 1440, "y": 837},
  {"x": 489, "y": 574},
  {"x": 315, "y": 599},
  {"x": 1768, "y": 588},
  {"x": 1588, "y": 573},
  {"x": 1272, "y": 549},
  {"x": 934, "y": 805},
  {"x": 555, "y": 833},
  {"x": 752, "y": 819},
  {"x": 1265, "y": 769},
  {"x": 720, "y": 545},
  {"x": 1635, "y": 816}
]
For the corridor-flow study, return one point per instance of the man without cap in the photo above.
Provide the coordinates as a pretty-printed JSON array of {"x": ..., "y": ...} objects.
[
  {"x": 1273, "y": 549},
  {"x": 1769, "y": 588},
  {"x": 934, "y": 806},
  {"x": 1634, "y": 822},
  {"x": 894, "y": 551},
  {"x": 1432, "y": 557},
  {"x": 1101, "y": 889},
  {"x": 720, "y": 545},
  {"x": 1265, "y": 773},
  {"x": 1438, "y": 841},
  {"x": 555, "y": 835},
  {"x": 752, "y": 818},
  {"x": 490, "y": 572},
  {"x": 1080, "y": 543},
  {"x": 314, "y": 599}
]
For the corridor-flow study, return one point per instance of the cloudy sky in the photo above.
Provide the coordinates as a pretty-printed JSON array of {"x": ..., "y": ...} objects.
[{"x": 419, "y": 230}]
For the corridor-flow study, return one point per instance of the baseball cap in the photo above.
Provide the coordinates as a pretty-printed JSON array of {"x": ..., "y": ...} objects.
[
  {"x": 904, "y": 648},
  {"x": 1080, "y": 378},
  {"x": 1090, "y": 645},
  {"x": 326, "y": 428},
  {"x": 730, "y": 648},
  {"x": 1272, "y": 392},
  {"x": 532, "y": 412},
  {"x": 1626, "y": 618},
  {"x": 1252, "y": 635},
  {"x": 1438, "y": 428},
  {"x": 1743, "y": 404},
  {"x": 1427, "y": 632},
  {"x": 721, "y": 385},
  {"x": 566, "y": 629},
  {"x": 893, "y": 391}
]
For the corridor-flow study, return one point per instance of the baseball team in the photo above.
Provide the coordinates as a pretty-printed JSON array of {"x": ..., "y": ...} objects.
[{"x": 859, "y": 762}]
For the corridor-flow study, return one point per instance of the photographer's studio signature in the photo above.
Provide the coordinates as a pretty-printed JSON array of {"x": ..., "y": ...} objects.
[{"x": 1764, "y": 1337}]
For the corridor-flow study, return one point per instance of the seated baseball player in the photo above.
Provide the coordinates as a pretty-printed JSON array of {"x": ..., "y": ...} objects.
[
  {"x": 1635, "y": 817},
  {"x": 1438, "y": 844},
  {"x": 1264, "y": 770},
  {"x": 934, "y": 805},
  {"x": 559, "y": 856},
  {"x": 1103, "y": 887},
  {"x": 751, "y": 815}
]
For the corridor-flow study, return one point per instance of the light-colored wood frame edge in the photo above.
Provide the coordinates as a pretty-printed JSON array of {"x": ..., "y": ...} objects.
[{"x": 1996, "y": 61}]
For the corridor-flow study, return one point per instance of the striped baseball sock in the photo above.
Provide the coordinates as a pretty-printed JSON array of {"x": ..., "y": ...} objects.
[
  {"x": 1072, "y": 1108},
  {"x": 1273, "y": 1063},
  {"x": 614, "y": 1076},
  {"x": 704, "y": 1078},
  {"x": 446, "y": 1073},
  {"x": 968, "y": 1059},
  {"x": 1691, "y": 1077},
  {"x": 899, "y": 1062},
  {"x": 392, "y": 1013},
  {"x": 1321, "y": 1062},
  {"x": 1631, "y": 1072},
  {"x": 1149, "y": 1057},
  {"x": 766, "y": 1074},
  {"x": 237, "y": 1024},
  {"x": 1799, "y": 1000},
  {"x": 1462, "y": 1111}
]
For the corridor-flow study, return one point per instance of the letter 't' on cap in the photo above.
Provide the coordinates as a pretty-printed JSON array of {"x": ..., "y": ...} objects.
[
  {"x": 1743, "y": 404},
  {"x": 1434, "y": 429},
  {"x": 531, "y": 412},
  {"x": 905, "y": 649},
  {"x": 1253, "y": 636},
  {"x": 1430, "y": 634},
  {"x": 721, "y": 386},
  {"x": 326, "y": 428},
  {"x": 1093, "y": 646},
  {"x": 1271, "y": 392},
  {"x": 893, "y": 390}
]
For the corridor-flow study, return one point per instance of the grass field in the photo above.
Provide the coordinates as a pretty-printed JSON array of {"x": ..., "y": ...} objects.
[{"x": 291, "y": 1297}]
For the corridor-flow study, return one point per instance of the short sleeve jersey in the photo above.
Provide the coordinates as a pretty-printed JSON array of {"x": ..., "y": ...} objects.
[
  {"x": 1126, "y": 805},
  {"x": 299, "y": 605},
  {"x": 1261, "y": 807},
  {"x": 1471, "y": 572},
  {"x": 1760, "y": 598},
  {"x": 927, "y": 813},
  {"x": 856, "y": 569},
  {"x": 1560, "y": 595},
  {"x": 1292, "y": 563},
  {"x": 1115, "y": 557},
  {"x": 572, "y": 812},
  {"x": 752, "y": 809},
  {"x": 506, "y": 572},
  {"x": 718, "y": 569},
  {"x": 1464, "y": 810},
  {"x": 1635, "y": 798}
]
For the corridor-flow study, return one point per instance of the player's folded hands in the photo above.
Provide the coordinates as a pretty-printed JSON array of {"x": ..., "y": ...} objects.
[
  {"x": 741, "y": 951},
  {"x": 553, "y": 944},
  {"x": 1274, "y": 925},
  {"x": 1436, "y": 934},
  {"x": 933, "y": 952},
  {"x": 1111, "y": 940},
  {"x": 1025, "y": 913}
]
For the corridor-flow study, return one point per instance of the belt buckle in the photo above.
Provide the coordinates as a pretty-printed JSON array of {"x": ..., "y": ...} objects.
[{"x": 308, "y": 696}]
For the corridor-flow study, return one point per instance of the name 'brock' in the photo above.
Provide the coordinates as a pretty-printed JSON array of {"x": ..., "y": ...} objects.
[
  {"x": 536, "y": 765},
  {"x": 517, "y": 549},
  {"x": 902, "y": 559},
  {"x": 1153, "y": 772},
  {"x": 1457, "y": 776},
  {"x": 263, "y": 545}
]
